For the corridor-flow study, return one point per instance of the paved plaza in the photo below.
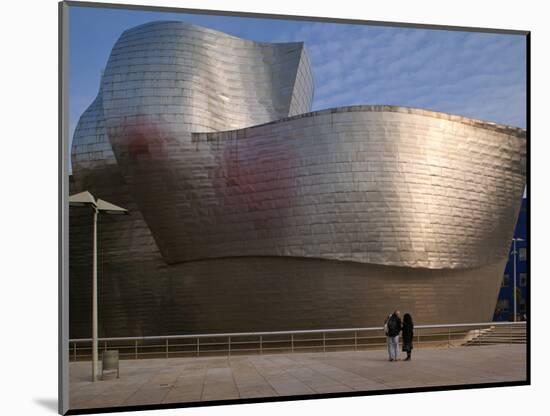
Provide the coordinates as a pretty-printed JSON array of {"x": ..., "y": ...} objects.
[{"x": 154, "y": 381}]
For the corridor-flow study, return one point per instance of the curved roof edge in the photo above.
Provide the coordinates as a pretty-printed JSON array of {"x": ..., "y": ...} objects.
[
  {"x": 488, "y": 125},
  {"x": 144, "y": 26}
]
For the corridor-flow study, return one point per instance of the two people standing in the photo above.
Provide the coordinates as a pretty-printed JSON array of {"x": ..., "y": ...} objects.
[{"x": 392, "y": 327}]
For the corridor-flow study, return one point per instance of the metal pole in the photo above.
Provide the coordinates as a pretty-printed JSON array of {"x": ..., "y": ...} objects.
[
  {"x": 94, "y": 302},
  {"x": 515, "y": 312}
]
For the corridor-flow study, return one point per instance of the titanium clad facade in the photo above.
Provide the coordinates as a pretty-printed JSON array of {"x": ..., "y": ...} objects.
[
  {"x": 249, "y": 213},
  {"x": 370, "y": 184}
]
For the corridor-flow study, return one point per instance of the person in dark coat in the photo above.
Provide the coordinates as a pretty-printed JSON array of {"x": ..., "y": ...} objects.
[
  {"x": 407, "y": 334},
  {"x": 393, "y": 324}
]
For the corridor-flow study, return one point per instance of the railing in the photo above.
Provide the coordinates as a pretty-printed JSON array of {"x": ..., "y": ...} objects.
[{"x": 322, "y": 340}]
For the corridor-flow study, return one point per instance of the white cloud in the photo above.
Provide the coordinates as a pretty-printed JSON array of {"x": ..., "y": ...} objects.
[{"x": 475, "y": 74}]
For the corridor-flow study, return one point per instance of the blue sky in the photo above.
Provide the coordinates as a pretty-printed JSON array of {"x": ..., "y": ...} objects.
[{"x": 477, "y": 75}]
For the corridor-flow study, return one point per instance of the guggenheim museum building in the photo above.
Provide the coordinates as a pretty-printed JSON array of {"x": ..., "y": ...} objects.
[{"x": 249, "y": 212}]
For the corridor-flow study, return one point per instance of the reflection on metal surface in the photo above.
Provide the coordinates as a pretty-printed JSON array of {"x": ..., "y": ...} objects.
[{"x": 207, "y": 139}]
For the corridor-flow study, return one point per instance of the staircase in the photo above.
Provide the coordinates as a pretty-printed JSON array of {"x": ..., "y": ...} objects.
[{"x": 509, "y": 334}]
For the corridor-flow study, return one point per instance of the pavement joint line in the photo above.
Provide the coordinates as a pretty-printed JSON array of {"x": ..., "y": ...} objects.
[
  {"x": 292, "y": 374},
  {"x": 351, "y": 372},
  {"x": 251, "y": 366},
  {"x": 331, "y": 378},
  {"x": 270, "y": 360},
  {"x": 265, "y": 379},
  {"x": 294, "y": 377}
]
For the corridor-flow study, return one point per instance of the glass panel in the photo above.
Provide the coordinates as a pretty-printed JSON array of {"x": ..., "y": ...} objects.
[
  {"x": 503, "y": 305},
  {"x": 523, "y": 254},
  {"x": 523, "y": 279}
]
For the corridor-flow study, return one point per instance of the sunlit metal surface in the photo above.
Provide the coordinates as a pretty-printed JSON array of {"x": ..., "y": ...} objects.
[
  {"x": 379, "y": 185},
  {"x": 239, "y": 196}
]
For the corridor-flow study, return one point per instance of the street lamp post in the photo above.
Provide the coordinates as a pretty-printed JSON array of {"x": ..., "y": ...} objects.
[
  {"x": 87, "y": 199},
  {"x": 514, "y": 252}
]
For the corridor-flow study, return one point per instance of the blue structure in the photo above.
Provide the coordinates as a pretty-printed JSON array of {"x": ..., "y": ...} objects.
[{"x": 504, "y": 310}]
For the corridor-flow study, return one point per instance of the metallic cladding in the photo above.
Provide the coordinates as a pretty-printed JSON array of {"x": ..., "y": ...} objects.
[
  {"x": 237, "y": 193},
  {"x": 379, "y": 185},
  {"x": 242, "y": 294}
]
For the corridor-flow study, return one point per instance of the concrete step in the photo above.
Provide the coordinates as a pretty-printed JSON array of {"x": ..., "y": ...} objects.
[{"x": 514, "y": 334}]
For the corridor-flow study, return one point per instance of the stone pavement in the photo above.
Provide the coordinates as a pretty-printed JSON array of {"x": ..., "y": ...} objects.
[{"x": 154, "y": 381}]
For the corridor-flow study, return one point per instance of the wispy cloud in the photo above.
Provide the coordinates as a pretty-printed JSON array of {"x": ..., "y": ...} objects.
[{"x": 473, "y": 74}]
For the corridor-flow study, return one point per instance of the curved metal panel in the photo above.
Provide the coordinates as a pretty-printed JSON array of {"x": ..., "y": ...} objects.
[
  {"x": 165, "y": 80},
  {"x": 276, "y": 294},
  {"x": 196, "y": 79},
  {"x": 188, "y": 78},
  {"x": 91, "y": 147},
  {"x": 418, "y": 207},
  {"x": 380, "y": 185}
]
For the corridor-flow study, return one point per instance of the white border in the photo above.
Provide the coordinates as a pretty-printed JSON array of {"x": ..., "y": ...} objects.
[{"x": 29, "y": 209}]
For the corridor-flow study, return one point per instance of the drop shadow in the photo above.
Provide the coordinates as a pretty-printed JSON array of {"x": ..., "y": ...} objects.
[{"x": 49, "y": 404}]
